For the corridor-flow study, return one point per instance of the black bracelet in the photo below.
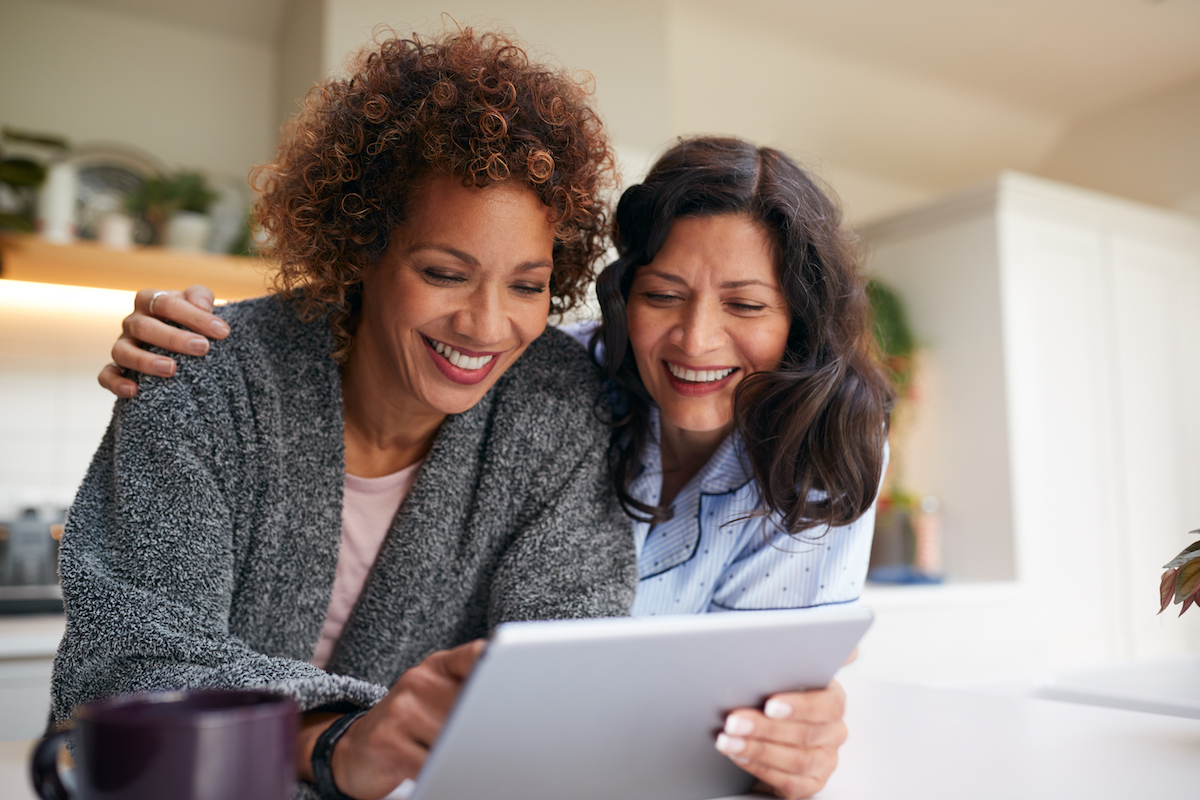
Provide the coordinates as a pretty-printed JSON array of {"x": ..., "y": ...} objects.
[{"x": 322, "y": 755}]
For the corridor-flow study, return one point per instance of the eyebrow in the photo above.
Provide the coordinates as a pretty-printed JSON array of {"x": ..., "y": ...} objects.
[
  {"x": 666, "y": 276},
  {"x": 467, "y": 258}
]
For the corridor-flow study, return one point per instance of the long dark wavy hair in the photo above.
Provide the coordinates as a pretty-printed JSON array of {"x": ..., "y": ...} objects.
[{"x": 814, "y": 429}]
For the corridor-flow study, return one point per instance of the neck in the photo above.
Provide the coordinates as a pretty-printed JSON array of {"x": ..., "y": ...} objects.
[
  {"x": 684, "y": 453},
  {"x": 386, "y": 430}
]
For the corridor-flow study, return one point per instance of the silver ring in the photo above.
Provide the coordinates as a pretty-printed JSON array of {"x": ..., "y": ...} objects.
[{"x": 154, "y": 297}]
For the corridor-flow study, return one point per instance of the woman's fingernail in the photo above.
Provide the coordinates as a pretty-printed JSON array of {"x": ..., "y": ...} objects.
[
  {"x": 741, "y": 762},
  {"x": 125, "y": 391},
  {"x": 198, "y": 346},
  {"x": 777, "y": 709},
  {"x": 738, "y": 726},
  {"x": 730, "y": 744},
  {"x": 164, "y": 367},
  {"x": 219, "y": 328}
]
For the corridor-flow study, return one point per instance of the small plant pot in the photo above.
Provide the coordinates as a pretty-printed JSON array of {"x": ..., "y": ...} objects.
[{"x": 188, "y": 230}]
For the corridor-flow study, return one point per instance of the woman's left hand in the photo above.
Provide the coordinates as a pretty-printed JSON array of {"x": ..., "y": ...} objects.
[{"x": 791, "y": 745}]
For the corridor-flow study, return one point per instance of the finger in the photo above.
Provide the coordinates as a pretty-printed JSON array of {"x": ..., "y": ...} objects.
[
  {"x": 112, "y": 379},
  {"x": 127, "y": 354},
  {"x": 173, "y": 306},
  {"x": 200, "y": 296},
  {"x": 416, "y": 718},
  {"x": 147, "y": 330},
  {"x": 816, "y": 705},
  {"x": 144, "y": 297},
  {"x": 752, "y": 725},
  {"x": 793, "y": 784},
  {"x": 458, "y": 662},
  {"x": 436, "y": 690}
]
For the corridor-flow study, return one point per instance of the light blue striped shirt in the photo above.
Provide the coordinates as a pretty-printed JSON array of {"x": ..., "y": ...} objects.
[{"x": 707, "y": 558}]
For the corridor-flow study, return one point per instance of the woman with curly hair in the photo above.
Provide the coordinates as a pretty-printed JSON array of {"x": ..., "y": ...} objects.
[
  {"x": 753, "y": 411},
  {"x": 391, "y": 455}
]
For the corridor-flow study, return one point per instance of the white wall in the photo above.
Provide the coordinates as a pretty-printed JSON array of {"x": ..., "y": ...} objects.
[
  {"x": 301, "y": 55},
  {"x": 52, "y": 412},
  {"x": 620, "y": 42},
  {"x": 189, "y": 97}
]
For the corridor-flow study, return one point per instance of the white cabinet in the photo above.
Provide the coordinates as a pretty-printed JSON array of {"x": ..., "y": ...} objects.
[
  {"x": 27, "y": 645},
  {"x": 1059, "y": 422}
]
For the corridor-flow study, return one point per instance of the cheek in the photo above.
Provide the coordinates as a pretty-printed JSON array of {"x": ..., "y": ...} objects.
[
  {"x": 775, "y": 346},
  {"x": 642, "y": 334},
  {"x": 530, "y": 319}
]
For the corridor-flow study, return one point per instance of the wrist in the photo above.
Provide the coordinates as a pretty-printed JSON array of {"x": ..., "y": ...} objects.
[{"x": 321, "y": 760}]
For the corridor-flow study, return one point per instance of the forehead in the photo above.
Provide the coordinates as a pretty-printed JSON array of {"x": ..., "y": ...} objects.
[
  {"x": 717, "y": 249},
  {"x": 504, "y": 216}
]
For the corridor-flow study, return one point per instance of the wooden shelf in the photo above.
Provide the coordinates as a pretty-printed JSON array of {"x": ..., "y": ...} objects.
[{"x": 30, "y": 258}]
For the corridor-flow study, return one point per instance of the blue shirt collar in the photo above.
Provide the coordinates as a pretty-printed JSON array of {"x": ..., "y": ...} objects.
[{"x": 727, "y": 470}]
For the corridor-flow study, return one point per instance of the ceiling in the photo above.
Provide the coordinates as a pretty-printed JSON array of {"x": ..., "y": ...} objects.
[
  {"x": 1064, "y": 57},
  {"x": 1057, "y": 56}
]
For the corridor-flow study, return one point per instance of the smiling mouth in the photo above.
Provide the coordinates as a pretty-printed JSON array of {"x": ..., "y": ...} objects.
[
  {"x": 458, "y": 358},
  {"x": 700, "y": 376}
]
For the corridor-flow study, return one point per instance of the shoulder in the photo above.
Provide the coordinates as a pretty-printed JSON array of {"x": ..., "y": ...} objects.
[
  {"x": 270, "y": 352},
  {"x": 554, "y": 365},
  {"x": 554, "y": 382}
]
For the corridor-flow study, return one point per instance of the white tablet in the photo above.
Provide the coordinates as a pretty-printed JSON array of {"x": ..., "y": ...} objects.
[{"x": 625, "y": 709}]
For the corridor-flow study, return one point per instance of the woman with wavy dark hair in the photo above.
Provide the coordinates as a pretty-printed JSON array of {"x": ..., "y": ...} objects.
[
  {"x": 392, "y": 454},
  {"x": 736, "y": 315},
  {"x": 736, "y": 337}
]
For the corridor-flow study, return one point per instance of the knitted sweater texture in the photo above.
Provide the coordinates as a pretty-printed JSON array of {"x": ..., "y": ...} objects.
[{"x": 201, "y": 548}]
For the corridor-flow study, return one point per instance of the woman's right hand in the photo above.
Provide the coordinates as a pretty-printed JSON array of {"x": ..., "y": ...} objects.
[
  {"x": 390, "y": 743},
  {"x": 191, "y": 308}
]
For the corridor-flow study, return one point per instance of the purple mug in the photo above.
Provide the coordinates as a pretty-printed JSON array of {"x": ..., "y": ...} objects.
[{"x": 210, "y": 744}]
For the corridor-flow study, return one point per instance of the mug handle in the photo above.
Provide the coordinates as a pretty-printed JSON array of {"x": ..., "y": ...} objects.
[{"x": 43, "y": 767}]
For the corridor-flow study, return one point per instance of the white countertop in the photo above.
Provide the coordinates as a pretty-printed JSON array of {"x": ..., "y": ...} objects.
[
  {"x": 30, "y": 636},
  {"x": 915, "y": 743},
  {"x": 911, "y": 742}
]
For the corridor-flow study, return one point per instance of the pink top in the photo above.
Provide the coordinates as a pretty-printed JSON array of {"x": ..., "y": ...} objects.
[{"x": 368, "y": 507}]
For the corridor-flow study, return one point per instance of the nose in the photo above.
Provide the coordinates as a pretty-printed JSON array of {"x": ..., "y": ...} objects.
[
  {"x": 699, "y": 329},
  {"x": 483, "y": 319}
]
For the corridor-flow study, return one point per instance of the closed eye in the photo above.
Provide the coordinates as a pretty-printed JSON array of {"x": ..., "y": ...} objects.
[
  {"x": 530, "y": 289},
  {"x": 439, "y": 278}
]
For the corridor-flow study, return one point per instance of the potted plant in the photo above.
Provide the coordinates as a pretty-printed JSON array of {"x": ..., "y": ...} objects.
[
  {"x": 176, "y": 209},
  {"x": 906, "y": 547},
  {"x": 21, "y": 176},
  {"x": 1181, "y": 581}
]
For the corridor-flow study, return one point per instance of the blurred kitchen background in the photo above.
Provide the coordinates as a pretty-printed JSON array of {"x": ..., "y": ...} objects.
[{"x": 1024, "y": 176}]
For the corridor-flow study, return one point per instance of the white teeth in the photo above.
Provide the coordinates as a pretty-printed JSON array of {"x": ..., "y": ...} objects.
[
  {"x": 469, "y": 363},
  {"x": 699, "y": 376}
]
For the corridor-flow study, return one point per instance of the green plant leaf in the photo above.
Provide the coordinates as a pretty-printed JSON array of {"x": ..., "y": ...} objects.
[
  {"x": 1194, "y": 597},
  {"x": 1187, "y": 581},
  {"x": 1187, "y": 603},
  {"x": 21, "y": 172},
  {"x": 43, "y": 139},
  {"x": 15, "y": 222},
  {"x": 1166, "y": 589},
  {"x": 1189, "y": 553},
  {"x": 892, "y": 331}
]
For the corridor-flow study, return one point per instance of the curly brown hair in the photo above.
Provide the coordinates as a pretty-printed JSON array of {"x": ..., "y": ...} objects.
[{"x": 470, "y": 105}]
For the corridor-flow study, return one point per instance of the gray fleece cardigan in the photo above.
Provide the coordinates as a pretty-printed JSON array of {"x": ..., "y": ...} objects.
[{"x": 201, "y": 548}]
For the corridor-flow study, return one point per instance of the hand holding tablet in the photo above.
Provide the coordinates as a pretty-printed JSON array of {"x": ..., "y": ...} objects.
[{"x": 629, "y": 708}]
